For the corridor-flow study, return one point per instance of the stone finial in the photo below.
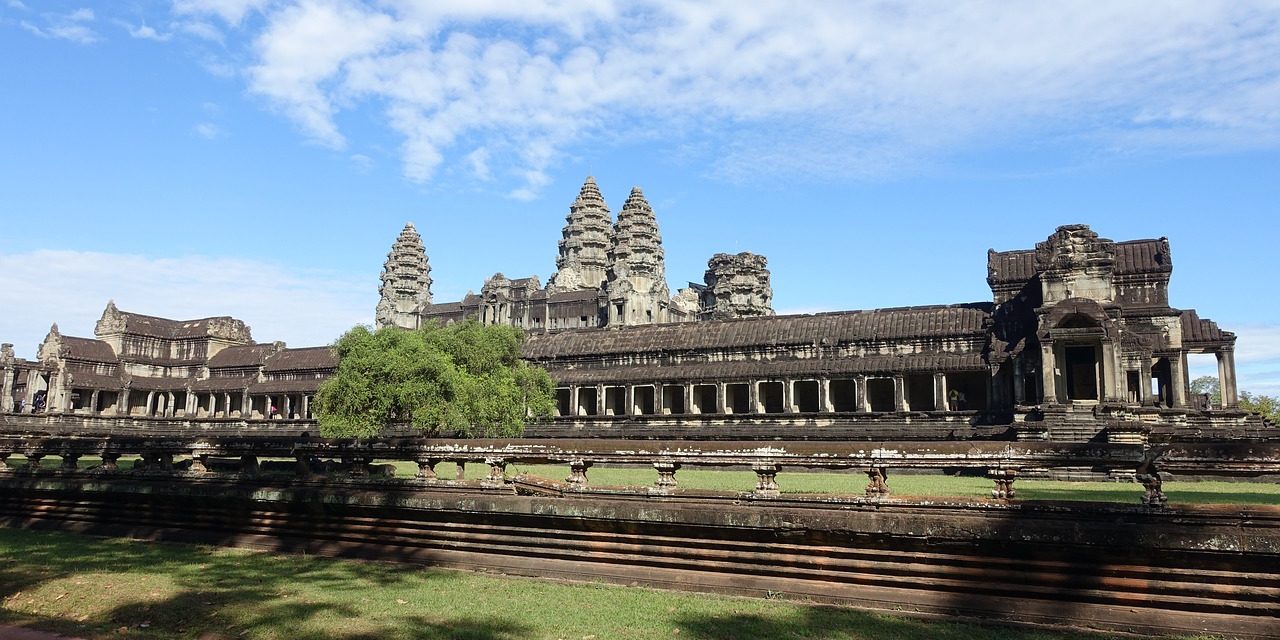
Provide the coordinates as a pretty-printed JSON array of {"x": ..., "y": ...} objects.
[
  {"x": 406, "y": 281},
  {"x": 737, "y": 287},
  {"x": 584, "y": 242}
]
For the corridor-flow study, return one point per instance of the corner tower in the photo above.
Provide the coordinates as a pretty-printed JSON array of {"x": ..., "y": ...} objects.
[
  {"x": 737, "y": 287},
  {"x": 637, "y": 278},
  {"x": 406, "y": 282},
  {"x": 584, "y": 244}
]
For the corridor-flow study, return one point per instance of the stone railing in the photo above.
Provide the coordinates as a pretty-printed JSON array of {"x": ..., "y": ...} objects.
[{"x": 312, "y": 458}]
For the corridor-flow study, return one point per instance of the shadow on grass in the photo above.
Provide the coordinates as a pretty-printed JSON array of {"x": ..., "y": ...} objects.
[
  {"x": 166, "y": 591},
  {"x": 829, "y": 623}
]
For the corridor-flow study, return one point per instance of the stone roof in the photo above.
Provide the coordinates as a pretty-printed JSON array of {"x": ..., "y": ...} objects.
[
  {"x": 580, "y": 295},
  {"x": 145, "y": 383},
  {"x": 767, "y": 369},
  {"x": 302, "y": 359},
  {"x": 306, "y": 385},
  {"x": 1132, "y": 257},
  {"x": 88, "y": 349},
  {"x": 252, "y": 355},
  {"x": 1199, "y": 331},
  {"x": 228, "y": 383},
  {"x": 826, "y": 328},
  {"x": 88, "y": 380}
]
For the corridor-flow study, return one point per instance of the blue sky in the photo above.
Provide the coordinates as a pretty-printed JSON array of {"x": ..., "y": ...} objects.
[{"x": 257, "y": 157}]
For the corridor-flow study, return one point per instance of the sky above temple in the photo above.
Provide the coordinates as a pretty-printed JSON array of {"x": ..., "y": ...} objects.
[{"x": 258, "y": 157}]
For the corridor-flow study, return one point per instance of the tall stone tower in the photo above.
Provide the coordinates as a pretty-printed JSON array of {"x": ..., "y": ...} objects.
[
  {"x": 637, "y": 278},
  {"x": 584, "y": 246},
  {"x": 737, "y": 287},
  {"x": 406, "y": 282}
]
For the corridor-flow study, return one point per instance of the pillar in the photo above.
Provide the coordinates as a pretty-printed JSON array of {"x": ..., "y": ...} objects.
[
  {"x": 150, "y": 396},
  {"x": 288, "y": 406},
  {"x": 122, "y": 402},
  {"x": 245, "y": 406},
  {"x": 1048, "y": 373},
  {"x": 1227, "y": 377},
  {"x": 600, "y": 399},
  {"x": 688, "y": 399},
  {"x": 629, "y": 400},
  {"x": 721, "y": 395},
  {"x": 1019, "y": 382},
  {"x": 169, "y": 409},
  {"x": 1109, "y": 384},
  {"x": 753, "y": 396},
  {"x": 788, "y": 396},
  {"x": 93, "y": 402},
  {"x": 1178, "y": 373},
  {"x": 193, "y": 401},
  {"x": 940, "y": 392},
  {"x": 1144, "y": 384},
  {"x": 824, "y": 395},
  {"x": 6, "y": 391},
  {"x": 574, "y": 409},
  {"x": 899, "y": 393},
  {"x": 306, "y": 406},
  {"x": 860, "y": 394}
]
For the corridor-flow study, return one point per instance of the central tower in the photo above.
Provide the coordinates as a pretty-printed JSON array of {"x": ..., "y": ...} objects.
[{"x": 583, "y": 262}]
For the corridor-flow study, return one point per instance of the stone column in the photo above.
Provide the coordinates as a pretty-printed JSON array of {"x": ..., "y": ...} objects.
[
  {"x": 1144, "y": 385},
  {"x": 6, "y": 391},
  {"x": 193, "y": 401},
  {"x": 1227, "y": 377},
  {"x": 824, "y": 395},
  {"x": 288, "y": 406},
  {"x": 169, "y": 409},
  {"x": 753, "y": 396},
  {"x": 574, "y": 409},
  {"x": 688, "y": 399},
  {"x": 1048, "y": 373},
  {"x": 1178, "y": 371},
  {"x": 860, "y": 394},
  {"x": 600, "y": 399},
  {"x": 940, "y": 392},
  {"x": 1110, "y": 389},
  {"x": 721, "y": 396},
  {"x": 246, "y": 407},
  {"x": 306, "y": 406},
  {"x": 93, "y": 402},
  {"x": 788, "y": 396},
  {"x": 899, "y": 393},
  {"x": 629, "y": 400},
  {"x": 150, "y": 396}
]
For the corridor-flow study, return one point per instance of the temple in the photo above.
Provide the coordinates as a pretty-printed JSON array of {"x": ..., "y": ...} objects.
[
  {"x": 609, "y": 273},
  {"x": 1078, "y": 334}
]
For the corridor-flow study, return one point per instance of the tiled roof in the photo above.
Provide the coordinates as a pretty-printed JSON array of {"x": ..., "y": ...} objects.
[
  {"x": 89, "y": 349},
  {"x": 1196, "y": 330},
  {"x": 230, "y": 383},
  {"x": 157, "y": 327},
  {"x": 442, "y": 308},
  {"x": 757, "y": 369},
  {"x": 308, "y": 385},
  {"x": 86, "y": 380},
  {"x": 242, "y": 356},
  {"x": 306, "y": 358},
  {"x": 580, "y": 295},
  {"x": 1132, "y": 257},
  {"x": 143, "y": 383},
  {"x": 826, "y": 328}
]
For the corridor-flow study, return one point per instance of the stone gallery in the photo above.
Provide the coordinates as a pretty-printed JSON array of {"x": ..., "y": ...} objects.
[{"x": 1078, "y": 329}]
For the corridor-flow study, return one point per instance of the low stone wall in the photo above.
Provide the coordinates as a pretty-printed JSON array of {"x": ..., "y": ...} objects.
[{"x": 1174, "y": 570}]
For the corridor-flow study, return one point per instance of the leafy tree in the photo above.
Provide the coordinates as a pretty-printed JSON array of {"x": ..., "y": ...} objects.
[
  {"x": 462, "y": 380},
  {"x": 1209, "y": 385},
  {"x": 1268, "y": 406}
]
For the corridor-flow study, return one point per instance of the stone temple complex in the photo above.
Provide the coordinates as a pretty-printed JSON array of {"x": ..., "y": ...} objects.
[
  {"x": 609, "y": 273},
  {"x": 1078, "y": 334}
]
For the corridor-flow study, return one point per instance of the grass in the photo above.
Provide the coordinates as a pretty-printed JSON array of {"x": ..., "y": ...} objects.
[
  {"x": 854, "y": 483},
  {"x": 96, "y": 588}
]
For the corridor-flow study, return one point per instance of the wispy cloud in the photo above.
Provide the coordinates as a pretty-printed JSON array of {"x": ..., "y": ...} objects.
[
  {"x": 302, "y": 307},
  {"x": 208, "y": 130},
  {"x": 836, "y": 90},
  {"x": 65, "y": 26},
  {"x": 145, "y": 32}
]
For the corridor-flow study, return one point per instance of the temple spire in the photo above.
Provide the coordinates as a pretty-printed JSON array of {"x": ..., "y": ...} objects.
[
  {"x": 637, "y": 279},
  {"x": 584, "y": 243},
  {"x": 406, "y": 281}
]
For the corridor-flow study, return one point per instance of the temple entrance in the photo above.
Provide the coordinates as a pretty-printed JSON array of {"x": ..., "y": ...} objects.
[
  {"x": 880, "y": 394},
  {"x": 771, "y": 397},
  {"x": 587, "y": 401},
  {"x": 1081, "y": 372},
  {"x": 1162, "y": 382}
]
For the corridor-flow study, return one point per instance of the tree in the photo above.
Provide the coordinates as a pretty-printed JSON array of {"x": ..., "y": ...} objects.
[
  {"x": 462, "y": 380},
  {"x": 1268, "y": 406},
  {"x": 1209, "y": 385}
]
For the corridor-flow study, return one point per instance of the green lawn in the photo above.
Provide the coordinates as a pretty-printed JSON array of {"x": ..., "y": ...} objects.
[
  {"x": 97, "y": 588},
  {"x": 852, "y": 483}
]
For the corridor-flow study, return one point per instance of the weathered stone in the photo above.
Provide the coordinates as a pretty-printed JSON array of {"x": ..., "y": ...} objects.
[{"x": 406, "y": 282}]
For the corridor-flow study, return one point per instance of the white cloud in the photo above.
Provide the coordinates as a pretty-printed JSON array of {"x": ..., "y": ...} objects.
[
  {"x": 17, "y": 4},
  {"x": 202, "y": 30},
  {"x": 231, "y": 11},
  {"x": 78, "y": 34},
  {"x": 81, "y": 15},
  {"x": 71, "y": 288},
  {"x": 146, "y": 32},
  {"x": 363, "y": 163},
  {"x": 1257, "y": 343},
  {"x": 478, "y": 160},
  {"x": 208, "y": 130},
  {"x": 837, "y": 89}
]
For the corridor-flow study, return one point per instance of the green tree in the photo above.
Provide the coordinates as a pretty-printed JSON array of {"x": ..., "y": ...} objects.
[
  {"x": 462, "y": 380},
  {"x": 1268, "y": 406},
  {"x": 1209, "y": 385}
]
